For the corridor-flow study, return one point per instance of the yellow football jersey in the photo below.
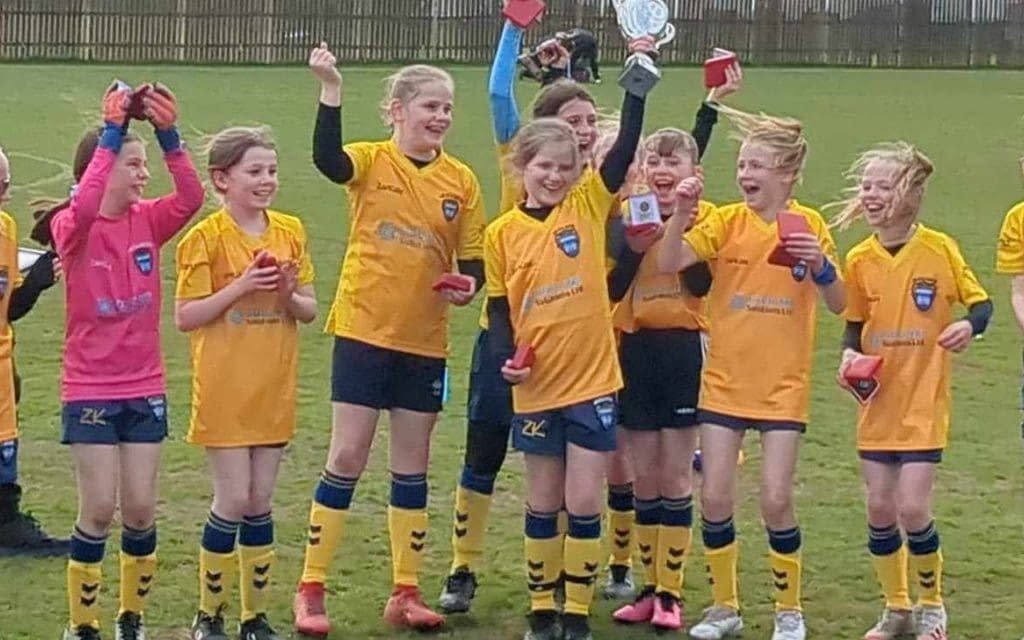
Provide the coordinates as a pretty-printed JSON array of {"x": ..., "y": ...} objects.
[
  {"x": 762, "y": 316},
  {"x": 905, "y": 301},
  {"x": 659, "y": 301},
  {"x": 407, "y": 227},
  {"x": 245, "y": 363},
  {"x": 10, "y": 279},
  {"x": 1010, "y": 252},
  {"x": 553, "y": 273}
]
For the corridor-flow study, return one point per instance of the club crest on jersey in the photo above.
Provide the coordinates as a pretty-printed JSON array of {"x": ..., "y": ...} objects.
[
  {"x": 923, "y": 292},
  {"x": 605, "y": 409},
  {"x": 143, "y": 257},
  {"x": 5, "y": 281},
  {"x": 799, "y": 271},
  {"x": 568, "y": 240},
  {"x": 450, "y": 208}
]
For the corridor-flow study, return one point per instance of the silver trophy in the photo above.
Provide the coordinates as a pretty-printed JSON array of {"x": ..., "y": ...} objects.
[{"x": 638, "y": 18}]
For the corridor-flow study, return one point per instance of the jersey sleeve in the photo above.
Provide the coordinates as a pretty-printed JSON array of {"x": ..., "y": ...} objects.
[
  {"x": 494, "y": 263},
  {"x": 472, "y": 223},
  {"x": 968, "y": 288},
  {"x": 599, "y": 198},
  {"x": 192, "y": 260},
  {"x": 856, "y": 302},
  {"x": 306, "y": 273},
  {"x": 708, "y": 235},
  {"x": 828, "y": 245},
  {"x": 11, "y": 231},
  {"x": 1010, "y": 250},
  {"x": 362, "y": 154}
]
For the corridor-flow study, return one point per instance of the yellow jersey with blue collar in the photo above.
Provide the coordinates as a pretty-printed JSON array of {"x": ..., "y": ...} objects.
[
  {"x": 761, "y": 316},
  {"x": 905, "y": 302}
]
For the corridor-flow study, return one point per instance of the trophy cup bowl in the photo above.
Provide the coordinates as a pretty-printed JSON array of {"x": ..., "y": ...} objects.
[{"x": 639, "y": 18}]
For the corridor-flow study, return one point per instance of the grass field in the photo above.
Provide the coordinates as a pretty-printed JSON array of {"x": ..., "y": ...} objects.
[{"x": 970, "y": 124}]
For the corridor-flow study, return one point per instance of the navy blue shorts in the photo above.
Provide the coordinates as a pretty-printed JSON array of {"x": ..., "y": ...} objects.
[
  {"x": 737, "y": 423},
  {"x": 897, "y": 458},
  {"x": 589, "y": 424},
  {"x": 490, "y": 396},
  {"x": 661, "y": 368},
  {"x": 9, "y": 462},
  {"x": 137, "y": 420},
  {"x": 379, "y": 378}
]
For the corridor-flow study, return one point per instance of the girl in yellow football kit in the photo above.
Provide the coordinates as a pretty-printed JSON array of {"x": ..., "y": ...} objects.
[
  {"x": 902, "y": 284},
  {"x": 548, "y": 296},
  {"x": 414, "y": 210},
  {"x": 757, "y": 370},
  {"x": 245, "y": 281}
]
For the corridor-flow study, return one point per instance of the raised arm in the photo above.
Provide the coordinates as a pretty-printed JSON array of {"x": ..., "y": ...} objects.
[
  {"x": 504, "y": 113},
  {"x": 616, "y": 164},
  {"x": 328, "y": 155}
]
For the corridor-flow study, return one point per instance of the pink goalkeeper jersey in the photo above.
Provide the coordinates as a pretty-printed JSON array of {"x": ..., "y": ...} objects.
[{"x": 112, "y": 288}]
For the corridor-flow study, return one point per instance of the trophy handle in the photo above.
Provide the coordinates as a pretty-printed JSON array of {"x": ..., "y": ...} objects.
[{"x": 670, "y": 34}]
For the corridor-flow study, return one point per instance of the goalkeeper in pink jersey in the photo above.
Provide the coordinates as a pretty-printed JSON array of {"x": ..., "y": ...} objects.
[{"x": 112, "y": 388}]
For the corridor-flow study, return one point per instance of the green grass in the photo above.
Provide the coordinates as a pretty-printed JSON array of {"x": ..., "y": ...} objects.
[{"x": 969, "y": 123}]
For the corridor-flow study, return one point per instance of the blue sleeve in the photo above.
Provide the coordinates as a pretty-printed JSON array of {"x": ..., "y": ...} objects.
[{"x": 504, "y": 113}]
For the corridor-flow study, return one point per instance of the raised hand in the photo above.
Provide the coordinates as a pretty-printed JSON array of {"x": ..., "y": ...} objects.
[
  {"x": 115, "y": 104},
  {"x": 160, "y": 107},
  {"x": 324, "y": 66}
]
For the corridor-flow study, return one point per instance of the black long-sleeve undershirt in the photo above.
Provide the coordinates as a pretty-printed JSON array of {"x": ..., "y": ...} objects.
[
  {"x": 631, "y": 123},
  {"x": 38, "y": 279},
  {"x": 499, "y": 324},
  {"x": 978, "y": 314},
  {"x": 328, "y": 156},
  {"x": 707, "y": 118}
]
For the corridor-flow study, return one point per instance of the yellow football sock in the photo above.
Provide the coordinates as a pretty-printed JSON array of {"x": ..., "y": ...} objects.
[
  {"x": 647, "y": 541},
  {"x": 254, "y": 565},
  {"x": 471, "y": 511},
  {"x": 84, "y": 580},
  {"x": 673, "y": 549},
  {"x": 787, "y": 570},
  {"x": 408, "y": 531},
  {"x": 326, "y": 527},
  {"x": 620, "y": 524},
  {"x": 891, "y": 570},
  {"x": 137, "y": 573},
  {"x": 543, "y": 569},
  {"x": 928, "y": 569},
  {"x": 216, "y": 575},
  {"x": 721, "y": 565},
  {"x": 582, "y": 557}
]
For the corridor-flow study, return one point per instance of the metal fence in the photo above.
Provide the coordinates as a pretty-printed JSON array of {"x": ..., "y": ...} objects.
[{"x": 946, "y": 33}]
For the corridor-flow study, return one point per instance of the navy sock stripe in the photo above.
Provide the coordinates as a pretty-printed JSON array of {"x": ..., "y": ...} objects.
[
  {"x": 409, "y": 491},
  {"x": 477, "y": 482},
  {"x": 717, "y": 535},
  {"x": 138, "y": 542},
  {"x": 334, "y": 491},
  {"x": 620, "y": 497},
  {"x": 219, "y": 535},
  {"x": 677, "y": 512},
  {"x": 586, "y": 527},
  {"x": 785, "y": 540},
  {"x": 884, "y": 541},
  {"x": 541, "y": 525},
  {"x": 648, "y": 512},
  {"x": 87, "y": 548},
  {"x": 256, "y": 531},
  {"x": 924, "y": 541}
]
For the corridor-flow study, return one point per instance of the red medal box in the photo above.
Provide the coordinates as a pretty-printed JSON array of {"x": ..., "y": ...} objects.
[
  {"x": 453, "y": 282},
  {"x": 523, "y": 358},
  {"x": 862, "y": 377},
  {"x": 788, "y": 224},
  {"x": 524, "y": 13},
  {"x": 715, "y": 66}
]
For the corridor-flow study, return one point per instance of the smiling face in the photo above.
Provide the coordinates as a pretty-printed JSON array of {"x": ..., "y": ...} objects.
[
  {"x": 582, "y": 117},
  {"x": 252, "y": 182},
  {"x": 880, "y": 198},
  {"x": 422, "y": 122},
  {"x": 550, "y": 174},
  {"x": 763, "y": 185},
  {"x": 663, "y": 174},
  {"x": 130, "y": 175}
]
